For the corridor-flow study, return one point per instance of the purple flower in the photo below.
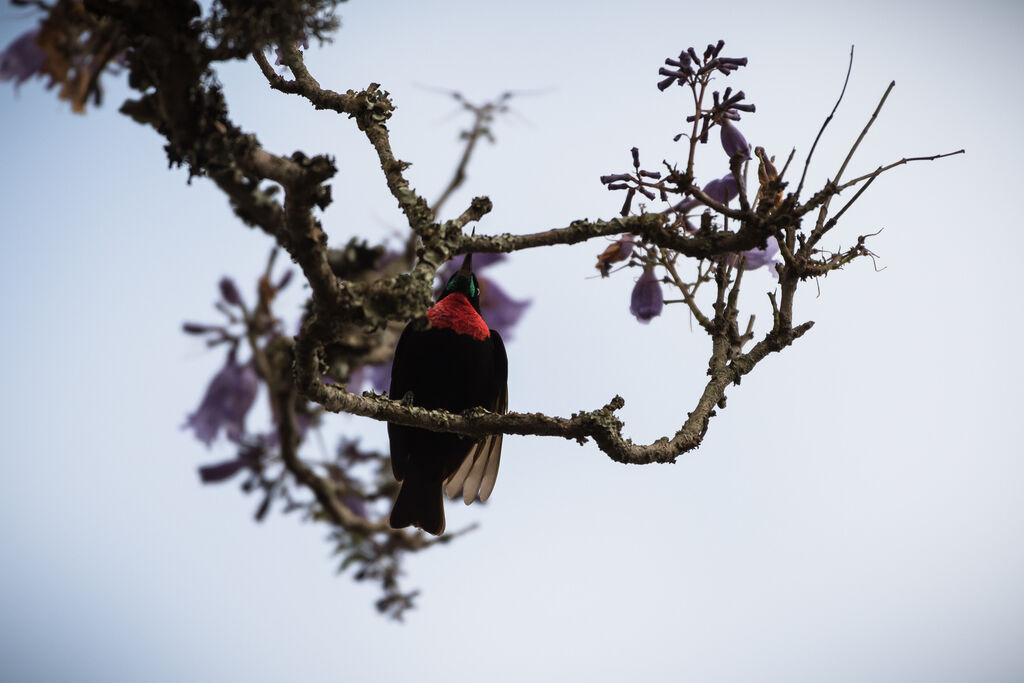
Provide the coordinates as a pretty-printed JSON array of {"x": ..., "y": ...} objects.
[
  {"x": 22, "y": 59},
  {"x": 301, "y": 44},
  {"x": 229, "y": 290},
  {"x": 756, "y": 258},
  {"x": 733, "y": 141},
  {"x": 498, "y": 309},
  {"x": 228, "y": 398},
  {"x": 723, "y": 190},
  {"x": 248, "y": 458},
  {"x": 356, "y": 505},
  {"x": 646, "y": 301},
  {"x": 379, "y": 377}
]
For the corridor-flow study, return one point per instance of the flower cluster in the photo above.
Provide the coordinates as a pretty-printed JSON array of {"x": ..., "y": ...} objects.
[
  {"x": 689, "y": 67},
  {"x": 72, "y": 47},
  {"x": 694, "y": 71},
  {"x": 226, "y": 402},
  {"x": 22, "y": 59},
  {"x": 232, "y": 391}
]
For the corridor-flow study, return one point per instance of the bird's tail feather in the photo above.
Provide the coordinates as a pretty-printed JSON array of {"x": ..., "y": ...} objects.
[{"x": 419, "y": 504}]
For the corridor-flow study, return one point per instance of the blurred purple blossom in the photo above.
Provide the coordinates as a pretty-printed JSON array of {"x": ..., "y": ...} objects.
[
  {"x": 229, "y": 290},
  {"x": 757, "y": 258},
  {"x": 733, "y": 141},
  {"x": 356, "y": 505},
  {"x": 199, "y": 328},
  {"x": 22, "y": 59},
  {"x": 301, "y": 44},
  {"x": 722, "y": 190},
  {"x": 228, "y": 399},
  {"x": 378, "y": 377},
  {"x": 647, "y": 301},
  {"x": 498, "y": 309},
  {"x": 248, "y": 458}
]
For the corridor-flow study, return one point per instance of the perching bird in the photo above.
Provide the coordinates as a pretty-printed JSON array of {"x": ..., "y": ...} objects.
[{"x": 451, "y": 361}]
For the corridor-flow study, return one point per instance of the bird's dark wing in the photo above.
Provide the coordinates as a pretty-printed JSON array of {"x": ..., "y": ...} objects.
[
  {"x": 478, "y": 472},
  {"x": 402, "y": 370}
]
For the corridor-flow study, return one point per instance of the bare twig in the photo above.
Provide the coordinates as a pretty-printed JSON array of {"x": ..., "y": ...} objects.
[{"x": 824, "y": 125}]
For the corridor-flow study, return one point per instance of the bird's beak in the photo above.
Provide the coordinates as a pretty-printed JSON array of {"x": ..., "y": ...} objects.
[{"x": 467, "y": 265}]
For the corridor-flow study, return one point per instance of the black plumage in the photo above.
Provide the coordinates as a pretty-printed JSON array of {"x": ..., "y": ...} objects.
[{"x": 450, "y": 361}]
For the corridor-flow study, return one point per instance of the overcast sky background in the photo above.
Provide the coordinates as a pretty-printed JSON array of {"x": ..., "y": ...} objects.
[{"x": 855, "y": 514}]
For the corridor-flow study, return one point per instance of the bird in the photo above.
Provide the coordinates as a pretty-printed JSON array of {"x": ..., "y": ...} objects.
[{"x": 449, "y": 361}]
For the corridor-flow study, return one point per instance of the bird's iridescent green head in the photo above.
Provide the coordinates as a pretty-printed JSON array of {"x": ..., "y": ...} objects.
[{"x": 465, "y": 283}]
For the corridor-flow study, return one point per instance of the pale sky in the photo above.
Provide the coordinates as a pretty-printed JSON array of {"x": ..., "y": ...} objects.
[{"x": 855, "y": 514}]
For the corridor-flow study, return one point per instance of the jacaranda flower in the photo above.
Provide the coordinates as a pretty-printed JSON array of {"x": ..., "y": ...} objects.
[
  {"x": 228, "y": 399},
  {"x": 757, "y": 258},
  {"x": 646, "y": 301},
  {"x": 22, "y": 59},
  {"x": 733, "y": 141},
  {"x": 723, "y": 190},
  {"x": 229, "y": 290},
  {"x": 378, "y": 376}
]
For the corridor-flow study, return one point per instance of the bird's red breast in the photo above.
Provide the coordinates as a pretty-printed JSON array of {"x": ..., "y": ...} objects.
[{"x": 454, "y": 312}]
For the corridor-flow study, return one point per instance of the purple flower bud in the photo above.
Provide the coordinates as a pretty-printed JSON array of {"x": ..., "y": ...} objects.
[
  {"x": 615, "y": 178},
  {"x": 285, "y": 279},
  {"x": 646, "y": 301},
  {"x": 221, "y": 471},
  {"x": 665, "y": 83},
  {"x": 228, "y": 399},
  {"x": 229, "y": 291},
  {"x": 629, "y": 202},
  {"x": 196, "y": 328},
  {"x": 22, "y": 59},
  {"x": 733, "y": 141}
]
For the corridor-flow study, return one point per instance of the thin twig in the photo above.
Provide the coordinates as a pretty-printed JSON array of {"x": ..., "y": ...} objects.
[{"x": 824, "y": 125}]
